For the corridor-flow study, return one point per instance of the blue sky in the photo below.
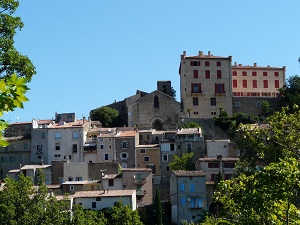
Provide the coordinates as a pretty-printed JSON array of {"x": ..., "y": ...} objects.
[{"x": 89, "y": 53}]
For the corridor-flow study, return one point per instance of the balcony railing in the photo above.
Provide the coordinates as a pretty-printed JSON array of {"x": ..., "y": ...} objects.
[
  {"x": 139, "y": 181},
  {"x": 141, "y": 192}
]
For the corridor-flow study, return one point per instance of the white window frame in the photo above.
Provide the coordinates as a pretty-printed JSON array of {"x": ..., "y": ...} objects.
[
  {"x": 71, "y": 187},
  {"x": 75, "y": 135},
  {"x": 164, "y": 157},
  {"x": 126, "y": 144},
  {"x": 124, "y": 165},
  {"x": 103, "y": 157},
  {"x": 121, "y": 155},
  {"x": 99, "y": 146}
]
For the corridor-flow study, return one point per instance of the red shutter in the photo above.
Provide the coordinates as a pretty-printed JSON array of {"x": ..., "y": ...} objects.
[
  {"x": 276, "y": 83},
  {"x": 192, "y": 91},
  {"x": 198, "y": 63},
  {"x": 199, "y": 88},
  {"x": 234, "y": 83},
  {"x": 219, "y": 74},
  {"x": 191, "y": 63},
  {"x": 223, "y": 88},
  {"x": 216, "y": 88},
  {"x": 234, "y": 73}
]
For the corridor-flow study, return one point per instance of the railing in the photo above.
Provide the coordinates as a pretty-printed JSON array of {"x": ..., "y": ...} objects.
[{"x": 139, "y": 181}]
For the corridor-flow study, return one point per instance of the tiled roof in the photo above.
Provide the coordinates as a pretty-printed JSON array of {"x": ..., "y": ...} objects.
[
  {"x": 14, "y": 171},
  {"x": 111, "y": 176},
  {"x": 137, "y": 169},
  {"x": 130, "y": 133},
  {"x": 31, "y": 167},
  {"x": 255, "y": 67},
  {"x": 189, "y": 131},
  {"x": 102, "y": 193},
  {"x": 81, "y": 182},
  {"x": 147, "y": 146},
  {"x": 217, "y": 160},
  {"x": 78, "y": 123},
  {"x": 185, "y": 173},
  {"x": 44, "y": 121}
]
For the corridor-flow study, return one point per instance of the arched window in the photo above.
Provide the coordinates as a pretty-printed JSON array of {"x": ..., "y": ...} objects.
[{"x": 156, "y": 102}]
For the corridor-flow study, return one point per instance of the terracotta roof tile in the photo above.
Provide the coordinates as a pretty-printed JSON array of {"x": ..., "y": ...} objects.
[
  {"x": 186, "y": 173},
  {"x": 102, "y": 193}
]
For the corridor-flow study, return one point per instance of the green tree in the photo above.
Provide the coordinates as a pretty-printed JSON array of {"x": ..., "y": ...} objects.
[
  {"x": 106, "y": 115},
  {"x": 265, "y": 108},
  {"x": 260, "y": 145},
  {"x": 265, "y": 197},
  {"x": 184, "y": 162},
  {"x": 158, "y": 208},
  {"x": 191, "y": 124},
  {"x": 290, "y": 93},
  {"x": 122, "y": 215},
  {"x": 87, "y": 217},
  {"x": 11, "y": 61}
]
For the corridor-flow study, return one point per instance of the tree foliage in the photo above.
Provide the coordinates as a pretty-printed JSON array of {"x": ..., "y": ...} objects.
[
  {"x": 266, "y": 143},
  {"x": 265, "y": 197},
  {"x": 122, "y": 215},
  {"x": 191, "y": 124},
  {"x": 158, "y": 208},
  {"x": 184, "y": 162},
  {"x": 106, "y": 115},
  {"x": 11, "y": 61},
  {"x": 290, "y": 93}
]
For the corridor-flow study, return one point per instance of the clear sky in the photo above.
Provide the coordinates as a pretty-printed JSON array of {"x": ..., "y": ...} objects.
[{"x": 89, "y": 53}]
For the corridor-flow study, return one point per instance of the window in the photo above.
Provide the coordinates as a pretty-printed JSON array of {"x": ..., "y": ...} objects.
[
  {"x": 195, "y": 100},
  {"x": 213, "y": 165},
  {"x": 207, "y": 74},
  {"x": 195, "y": 63},
  {"x": 43, "y": 135},
  {"x": 254, "y": 73},
  {"x": 57, "y": 155},
  {"x": 195, "y": 73},
  {"x": 206, "y": 63},
  {"x": 244, "y": 73},
  {"x": 124, "y": 165},
  {"x": 39, "y": 157},
  {"x": 98, "y": 199},
  {"x": 142, "y": 151},
  {"x": 254, "y": 83},
  {"x": 146, "y": 158},
  {"x": 57, "y": 135},
  {"x": 75, "y": 134},
  {"x": 244, "y": 83},
  {"x": 196, "y": 202},
  {"x": 124, "y": 155},
  {"x": 148, "y": 137},
  {"x": 189, "y": 147},
  {"x": 182, "y": 187},
  {"x": 213, "y": 101},
  {"x": 276, "y": 83},
  {"x": 100, "y": 139},
  {"x": 219, "y": 63},
  {"x": 172, "y": 147},
  {"x": 165, "y": 158},
  {"x": 78, "y": 178},
  {"x": 57, "y": 146},
  {"x": 213, "y": 113},
  {"x": 167, "y": 168},
  {"x": 101, "y": 147},
  {"x": 196, "y": 88},
  {"x": 213, "y": 177},
  {"x": 124, "y": 144},
  {"x": 110, "y": 182},
  {"x": 12, "y": 158},
  {"x": 234, "y": 73},
  {"x": 192, "y": 187},
  {"x": 183, "y": 201},
  {"x": 237, "y": 104},
  {"x": 219, "y": 88},
  {"x": 39, "y": 149},
  {"x": 2, "y": 159},
  {"x": 219, "y": 74},
  {"x": 94, "y": 205},
  {"x": 276, "y": 74},
  {"x": 229, "y": 165},
  {"x": 228, "y": 176},
  {"x": 105, "y": 157},
  {"x": 265, "y": 83},
  {"x": 156, "y": 102},
  {"x": 234, "y": 83},
  {"x": 195, "y": 113},
  {"x": 71, "y": 187},
  {"x": 74, "y": 148},
  {"x": 265, "y": 74},
  {"x": 258, "y": 104}
]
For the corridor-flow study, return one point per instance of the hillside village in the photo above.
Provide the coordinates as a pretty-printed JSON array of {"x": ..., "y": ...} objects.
[{"x": 97, "y": 166}]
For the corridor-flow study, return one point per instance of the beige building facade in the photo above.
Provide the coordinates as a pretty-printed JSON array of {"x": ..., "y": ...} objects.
[{"x": 205, "y": 84}]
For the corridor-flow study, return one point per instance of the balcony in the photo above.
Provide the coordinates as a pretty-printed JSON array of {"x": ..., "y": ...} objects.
[
  {"x": 139, "y": 181},
  {"x": 141, "y": 192}
]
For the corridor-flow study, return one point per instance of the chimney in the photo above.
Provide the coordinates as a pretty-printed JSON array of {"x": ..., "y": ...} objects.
[
  {"x": 208, "y": 53},
  {"x": 200, "y": 53},
  {"x": 235, "y": 63},
  {"x": 183, "y": 55},
  {"x": 255, "y": 64}
]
